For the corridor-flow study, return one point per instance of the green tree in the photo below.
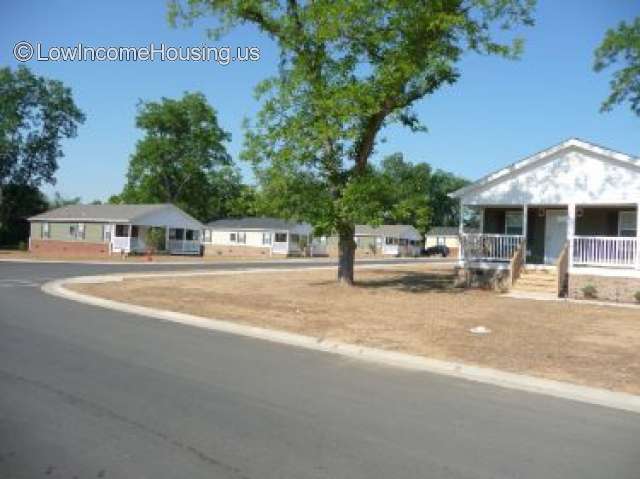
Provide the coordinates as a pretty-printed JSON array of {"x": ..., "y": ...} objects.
[
  {"x": 36, "y": 114},
  {"x": 18, "y": 203},
  {"x": 181, "y": 159},
  {"x": 347, "y": 69},
  {"x": 621, "y": 46},
  {"x": 444, "y": 210},
  {"x": 58, "y": 200}
]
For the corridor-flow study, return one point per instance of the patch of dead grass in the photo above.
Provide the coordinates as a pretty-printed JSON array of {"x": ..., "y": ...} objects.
[{"x": 413, "y": 309}]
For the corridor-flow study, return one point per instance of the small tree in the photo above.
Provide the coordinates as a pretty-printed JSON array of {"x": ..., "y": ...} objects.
[
  {"x": 155, "y": 239},
  {"x": 347, "y": 69}
]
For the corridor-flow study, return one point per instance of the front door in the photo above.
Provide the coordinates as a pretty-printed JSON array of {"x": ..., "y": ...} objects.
[{"x": 555, "y": 235}]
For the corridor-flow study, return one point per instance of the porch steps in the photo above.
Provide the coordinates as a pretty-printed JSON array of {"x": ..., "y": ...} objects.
[{"x": 537, "y": 281}]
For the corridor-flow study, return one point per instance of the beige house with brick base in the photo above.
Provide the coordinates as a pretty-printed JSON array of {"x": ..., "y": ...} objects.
[
  {"x": 260, "y": 236},
  {"x": 562, "y": 221},
  {"x": 89, "y": 230}
]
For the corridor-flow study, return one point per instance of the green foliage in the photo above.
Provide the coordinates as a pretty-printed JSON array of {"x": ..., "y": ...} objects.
[
  {"x": 58, "y": 201},
  {"x": 349, "y": 68},
  {"x": 36, "y": 114},
  {"x": 18, "y": 203},
  {"x": 181, "y": 159},
  {"x": 155, "y": 238},
  {"x": 622, "y": 46},
  {"x": 589, "y": 291}
]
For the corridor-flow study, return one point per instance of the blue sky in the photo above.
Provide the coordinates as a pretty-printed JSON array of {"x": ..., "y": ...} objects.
[{"x": 498, "y": 112}]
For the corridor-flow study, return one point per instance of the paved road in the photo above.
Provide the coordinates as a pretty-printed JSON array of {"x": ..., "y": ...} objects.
[{"x": 91, "y": 393}]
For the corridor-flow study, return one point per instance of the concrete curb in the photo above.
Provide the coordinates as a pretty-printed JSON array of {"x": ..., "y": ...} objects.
[
  {"x": 585, "y": 302},
  {"x": 584, "y": 394}
]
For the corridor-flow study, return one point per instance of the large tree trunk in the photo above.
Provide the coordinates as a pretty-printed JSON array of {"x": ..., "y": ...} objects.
[{"x": 346, "y": 254}]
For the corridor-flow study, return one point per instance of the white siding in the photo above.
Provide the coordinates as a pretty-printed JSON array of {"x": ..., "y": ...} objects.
[
  {"x": 570, "y": 176},
  {"x": 450, "y": 241},
  {"x": 253, "y": 238}
]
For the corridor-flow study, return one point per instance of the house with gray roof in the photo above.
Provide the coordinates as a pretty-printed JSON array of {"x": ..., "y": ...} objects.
[
  {"x": 87, "y": 230},
  {"x": 260, "y": 236},
  {"x": 383, "y": 240}
]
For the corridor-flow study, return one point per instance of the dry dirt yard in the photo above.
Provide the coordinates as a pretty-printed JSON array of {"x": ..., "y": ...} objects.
[{"x": 413, "y": 309}]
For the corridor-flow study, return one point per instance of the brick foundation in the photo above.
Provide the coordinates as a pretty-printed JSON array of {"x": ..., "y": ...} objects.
[
  {"x": 608, "y": 288},
  {"x": 68, "y": 248},
  {"x": 221, "y": 250}
]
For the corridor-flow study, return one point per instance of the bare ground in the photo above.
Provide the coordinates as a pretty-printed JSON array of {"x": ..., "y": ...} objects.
[{"x": 416, "y": 310}]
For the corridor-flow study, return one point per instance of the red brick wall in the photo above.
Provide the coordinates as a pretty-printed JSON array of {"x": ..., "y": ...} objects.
[{"x": 68, "y": 248}]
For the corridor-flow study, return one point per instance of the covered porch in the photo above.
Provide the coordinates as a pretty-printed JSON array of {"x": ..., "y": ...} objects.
[
  {"x": 131, "y": 238},
  {"x": 582, "y": 235}
]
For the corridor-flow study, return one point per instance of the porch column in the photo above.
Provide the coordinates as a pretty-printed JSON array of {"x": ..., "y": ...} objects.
[
  {"x": 638, "y": 236},
  {"x": 481, "y": 209},
  {"x": 525, "y": 230},
  {"x": 571, "y": 231}
]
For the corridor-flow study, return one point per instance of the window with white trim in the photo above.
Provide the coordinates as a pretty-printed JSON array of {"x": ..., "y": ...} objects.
[
  {"x": 80, "y": 234},
  {"x": 281, "y": 238},
  {"x": 207, "y": 236},
  {"x": 513, "y": 223},
  {"x": 106, "y": 233},
  {"x": 73, "y": 230},
  {"x": 242, "y": 237},
  {"x": 46, "y": 232},
  {"x": 627, "y": 223},
  {"x": 266, "y": 238},
  {"x": 233, "y": 237}
]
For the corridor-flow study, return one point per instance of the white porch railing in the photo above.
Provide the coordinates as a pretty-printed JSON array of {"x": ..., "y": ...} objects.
[
  {"x": 183, "y": 246},
  {"x": 318, "y": 249},
  {"x": 490, "y": 247},
  {"x": 390, "y": 249},
  {"x": 605, "y": 251}
]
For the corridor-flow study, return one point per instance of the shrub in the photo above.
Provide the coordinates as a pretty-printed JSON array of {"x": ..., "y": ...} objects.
[
  {"x": 154, "y": 238},
  {"x": 637, "y": 296},
  {"x": 590, "y": 291},
  {"x": 23, "y": 246}
]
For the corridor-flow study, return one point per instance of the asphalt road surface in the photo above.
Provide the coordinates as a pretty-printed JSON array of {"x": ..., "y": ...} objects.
[{"x": 92, "y": 393}]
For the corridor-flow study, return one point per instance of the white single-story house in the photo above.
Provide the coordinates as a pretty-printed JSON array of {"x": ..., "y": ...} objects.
[
  {"x": 107, "y": 229},
  {"x": 571, "y": 211},
  {"x": 384, "y": 240},
  {"x": 448, "y": 236},
  {"x": 260, "y": 236}
]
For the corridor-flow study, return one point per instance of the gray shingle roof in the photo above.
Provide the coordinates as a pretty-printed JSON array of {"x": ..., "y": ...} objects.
[
  {"x": 251, "y": 223},
  {"x": 386, "y": 230},
  {"x": 443, "y": 231},
  {"x": 107, "y": 212}
]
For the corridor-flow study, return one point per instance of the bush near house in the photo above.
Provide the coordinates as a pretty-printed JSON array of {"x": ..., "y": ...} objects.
[
  {"x": 637, "y": 296},
  {"x": 155, "y": 239},
  {"x": 590, "y": 291}
]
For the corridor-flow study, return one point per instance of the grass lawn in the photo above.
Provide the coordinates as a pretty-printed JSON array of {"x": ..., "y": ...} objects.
[{"x": 413, "y": 309}]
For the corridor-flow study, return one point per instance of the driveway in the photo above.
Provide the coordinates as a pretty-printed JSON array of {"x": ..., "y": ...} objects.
[{"x": 87, "y": 392}]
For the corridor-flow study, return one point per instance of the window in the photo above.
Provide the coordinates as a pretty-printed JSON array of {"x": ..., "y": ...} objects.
[
  {"x": 266, "y": 238},
  {"x": 627, "y": 223},
  {"x": 45, "y": 230},
  {"x": 189, "y": 235},
  {"x": 134, "y": 231},
  {"x": 233, "y": 237},
  {"x": 242, "y": 237},
  {"x": 294, "y": 238},
  {"x": 281, "y": 238},
  {"x": 207, "y": 236},
  {"x": 73, "y": 228},
  {"x": 388, "y": 240},
  {"x": 441, "y": 240},
  {"x": 80, "y": 234},
  {"x": 122, "y": 231},
  {"x": 513, "y": 223}
]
